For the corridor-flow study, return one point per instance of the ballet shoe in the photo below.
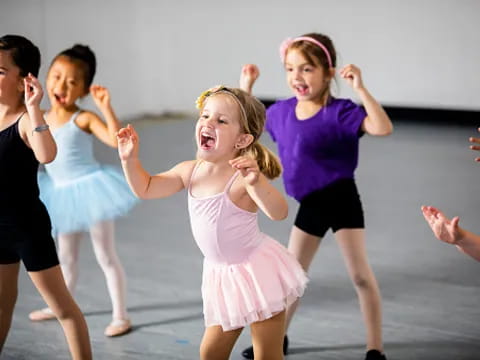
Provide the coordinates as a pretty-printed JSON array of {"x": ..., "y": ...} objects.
[
  {"x": 41, "y": 315},
  {"x": 375, "y": 355},
  {"x": 118, "y": 327},
  {"x": 248, "y": 352}
]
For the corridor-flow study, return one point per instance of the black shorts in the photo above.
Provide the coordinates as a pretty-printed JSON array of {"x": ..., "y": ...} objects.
[
  {"x": 336, "y": 206},
  {"x": 30, "y": 242}
]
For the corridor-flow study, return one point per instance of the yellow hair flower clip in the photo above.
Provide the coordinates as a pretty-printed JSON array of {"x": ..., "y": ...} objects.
[{"x": 201, "y": 99}]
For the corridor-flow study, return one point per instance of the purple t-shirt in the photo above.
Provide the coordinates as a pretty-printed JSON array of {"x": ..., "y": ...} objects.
[{"x": 319, "y": 150}]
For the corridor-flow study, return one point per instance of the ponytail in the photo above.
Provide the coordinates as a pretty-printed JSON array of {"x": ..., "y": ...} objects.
[{"x": 268, "y": 162}]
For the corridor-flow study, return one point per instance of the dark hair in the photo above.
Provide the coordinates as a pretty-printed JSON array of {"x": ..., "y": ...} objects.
[
  {"x": 24, "y": 53},
  {"x": 85, "y": 57},
  {"x": 313, "y": 53}
]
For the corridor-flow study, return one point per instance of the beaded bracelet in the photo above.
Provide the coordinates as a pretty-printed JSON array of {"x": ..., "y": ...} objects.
[{"x": 41, "y": 128}]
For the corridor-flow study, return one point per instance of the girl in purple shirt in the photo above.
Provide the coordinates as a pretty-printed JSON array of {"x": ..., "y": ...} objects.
[{"x": 317, "y": 137}]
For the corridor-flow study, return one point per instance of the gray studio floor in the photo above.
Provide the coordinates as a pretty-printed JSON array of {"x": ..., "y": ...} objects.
[{"x": 431, "y": 291}]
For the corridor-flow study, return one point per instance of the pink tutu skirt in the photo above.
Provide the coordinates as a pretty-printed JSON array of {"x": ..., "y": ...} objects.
[{"x": 236, "y": 295}]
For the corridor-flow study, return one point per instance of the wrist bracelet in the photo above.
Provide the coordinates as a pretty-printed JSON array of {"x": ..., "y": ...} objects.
[{"x": 41, "y": 128}]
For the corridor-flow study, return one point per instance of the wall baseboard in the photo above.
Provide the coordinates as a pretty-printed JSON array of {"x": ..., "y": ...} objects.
[
  {"x": 427, "y": 115},
  {"x": 444, "y": 116}
]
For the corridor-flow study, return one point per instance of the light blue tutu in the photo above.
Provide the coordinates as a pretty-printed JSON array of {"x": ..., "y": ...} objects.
[
  {"x": 78, "y": 191},
  {"x": 78, "y": 204}
]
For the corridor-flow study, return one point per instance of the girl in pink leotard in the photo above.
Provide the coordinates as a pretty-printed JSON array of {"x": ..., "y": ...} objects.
[{"x": 248, "y": 278}]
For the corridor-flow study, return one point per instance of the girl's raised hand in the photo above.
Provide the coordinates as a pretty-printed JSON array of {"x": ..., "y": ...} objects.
[
  {"x": 100, "y": 95},
  {"x": 352, "y": 75},
  {"x": 475, "y": 140},
  {"x": 128, "y": 143},
  {"x": 248, "y": 168},
  {"x": 443, "y": 228},
  {"x": 248, "y": 76},
  {"x": 33, "y": 91}
]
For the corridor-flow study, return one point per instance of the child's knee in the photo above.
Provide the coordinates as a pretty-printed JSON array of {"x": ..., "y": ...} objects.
[
  {"x": 211, "y": 352},
  {"x": 364, "y": 281},
  {"x": 108, "y": 262},
  {"x": 67, "y": 259},
  {"x": 66, "y": 311},
  {"x": 360, "y": 281},
  {"x": 206, "y": 350}
]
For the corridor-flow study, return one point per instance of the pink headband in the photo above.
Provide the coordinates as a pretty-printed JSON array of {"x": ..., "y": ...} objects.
[{"x": 289, "y": 41}]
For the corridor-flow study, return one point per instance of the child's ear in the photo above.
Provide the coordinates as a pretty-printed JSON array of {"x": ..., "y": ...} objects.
[
  {"x": 243, "y": 141},
  {"x": 21, "y": 84},
  {"x": 331, "y": 72}
]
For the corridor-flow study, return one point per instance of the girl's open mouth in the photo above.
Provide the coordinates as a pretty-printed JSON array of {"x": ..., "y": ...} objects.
[
  {"x": 207, "y": 142},
  {"x": 301, "y": 89},
  {"x": 60, "y": 98}
]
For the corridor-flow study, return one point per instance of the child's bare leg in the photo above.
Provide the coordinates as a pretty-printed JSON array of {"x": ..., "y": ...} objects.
[
  {"x": 303, "y": 246},
  {"x": 8, "y": 297},
  {"x": 51, "y": 285},
  {"x": 267, "y": 338},
  {"x": 352, "y": 245},
  {"x": 68, "y": 250},
  {"x": 218, "y": 344}
]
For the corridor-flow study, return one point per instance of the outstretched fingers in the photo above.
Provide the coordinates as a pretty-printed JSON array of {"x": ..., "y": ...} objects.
[
  {"x": 127, "y": 137},
  {"x": 428, "y": 215},
  {"x": 475, "y": 140},
  {"x": 444, "y": 229},
  {"x": 434, "y": 217}
]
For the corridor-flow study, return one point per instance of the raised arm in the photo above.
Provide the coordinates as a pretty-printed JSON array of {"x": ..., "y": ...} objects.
[
  {"x": 105, "y": 131},
  {"x": 262, "y": 192},
  {"x": 144, "y": 185},
  {"x": 377, "y": 121},
  {"x": 35, "y": 130},
  {"x": 248, "y": 76},
  {"x": 448, "y": 231}
]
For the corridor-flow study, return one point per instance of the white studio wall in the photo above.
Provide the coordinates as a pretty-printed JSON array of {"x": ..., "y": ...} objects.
[{"x": 159, "y": 55}]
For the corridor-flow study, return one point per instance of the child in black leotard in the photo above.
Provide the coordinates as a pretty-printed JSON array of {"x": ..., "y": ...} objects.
[{"x": 25, "y": 229}]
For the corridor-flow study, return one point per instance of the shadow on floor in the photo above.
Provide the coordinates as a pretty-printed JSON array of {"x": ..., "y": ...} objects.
[
  {"x": 465, "y": 350},
  {"x": 168, "y": 321},
  {"x": 152, "y": 307}
]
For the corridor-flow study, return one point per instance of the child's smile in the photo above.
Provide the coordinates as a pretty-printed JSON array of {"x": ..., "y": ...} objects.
[
  {"x": 218, "y": 127},
  {"x": 65, "y": 83},
  {"x": 308, "y": 82},
  {"x": 207, "y": 140},
  {"x": 301, "y": 89}
]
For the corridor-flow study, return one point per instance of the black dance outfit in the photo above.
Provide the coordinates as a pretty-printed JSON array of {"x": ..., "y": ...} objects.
[{"x": 25, "y": 228}]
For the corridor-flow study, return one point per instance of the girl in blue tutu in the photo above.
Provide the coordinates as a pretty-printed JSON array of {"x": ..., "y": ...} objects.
[{"x": 81, "y": 194}]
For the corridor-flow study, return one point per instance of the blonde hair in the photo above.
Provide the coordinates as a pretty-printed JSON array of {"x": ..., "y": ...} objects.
[{"x": 252, "y": 121}]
